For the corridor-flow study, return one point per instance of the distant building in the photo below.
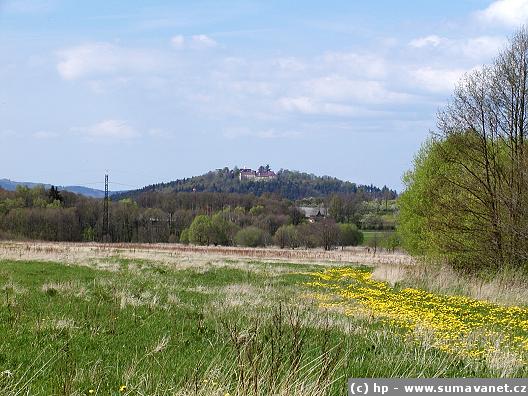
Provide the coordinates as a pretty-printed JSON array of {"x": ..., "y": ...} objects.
[
  {"x": 247, "y": 174},
  {"x": 314, "y": 213},
  {"x": 250, "y": 174}
]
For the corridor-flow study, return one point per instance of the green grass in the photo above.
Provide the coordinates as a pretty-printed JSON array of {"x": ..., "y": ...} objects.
[
  {"x": 237, "y": 328},
  {"x": 370, "y": 236}
]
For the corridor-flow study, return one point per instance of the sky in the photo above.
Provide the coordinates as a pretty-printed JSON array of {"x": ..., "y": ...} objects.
[{"x": 160, "y": 90}]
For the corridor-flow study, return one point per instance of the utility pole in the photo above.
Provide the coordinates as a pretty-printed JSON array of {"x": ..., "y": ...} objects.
[{"x": 106, "y": 217}]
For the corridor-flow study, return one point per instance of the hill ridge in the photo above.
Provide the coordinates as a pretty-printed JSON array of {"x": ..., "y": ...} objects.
[{"x": 287, "y": 183}]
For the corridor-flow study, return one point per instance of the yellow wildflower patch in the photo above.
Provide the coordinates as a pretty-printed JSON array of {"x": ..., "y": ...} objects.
[{"x": 459, "y": 324}]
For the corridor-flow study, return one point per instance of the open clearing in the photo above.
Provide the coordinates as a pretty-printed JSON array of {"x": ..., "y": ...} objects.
[{"x": 164, "y": 320}]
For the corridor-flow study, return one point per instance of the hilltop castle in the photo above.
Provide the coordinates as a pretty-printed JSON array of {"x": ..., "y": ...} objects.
[{"x": 263, "y": 174}]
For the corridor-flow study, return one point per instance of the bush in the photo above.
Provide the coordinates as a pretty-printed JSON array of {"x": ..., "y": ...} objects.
[
  {"x": 287, "y": 236},
  {"x": 306, "y": 235},
  {"x": 328, "y": 233},
  {"x": 222, "y": 231},
  {"x": 201, "y": 230},
  {"x": 252, "y": 237},
  {"x": 324, "y": 233},
  {"x": 350, "y": 235},
  {"x": 184, "y": 237}
]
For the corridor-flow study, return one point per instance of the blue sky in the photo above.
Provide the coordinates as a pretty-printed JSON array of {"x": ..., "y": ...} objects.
[{"x": 160, "y": 90}]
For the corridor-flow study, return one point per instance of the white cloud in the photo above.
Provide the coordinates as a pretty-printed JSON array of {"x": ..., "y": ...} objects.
[
  {"x": 102, "y": 58},
  {"x": 307, "y": 105},
  {"x": 178, "y": 41},
  {"x": 338, "y": 88},
  {"x": 431, "y": 40},
  {"x": 198, "y": 41},
  {"x": 480, "y": 47},
  {"x": 114, "y": 129},
  {"x": 437, "y": 80},
  {"x": 505, "y": 12},
  {"x": 483, "y": 46},
  {"x": 290, "y": 64},
  {"x": 302, "y": 104},
  {"x": 261, "y": 88},
  {"x": 367, "y": 65},
  {"x": 202, "y": 41}
]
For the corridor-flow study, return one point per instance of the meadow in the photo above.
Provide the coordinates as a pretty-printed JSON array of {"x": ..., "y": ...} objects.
[{"x": 96, "y": 320}]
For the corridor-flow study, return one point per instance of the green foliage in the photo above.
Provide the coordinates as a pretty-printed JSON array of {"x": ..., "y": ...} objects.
[
  {"x": 324, "y": 233},
  {"x": 336, "y": 208},
  {"x": 252, "y": 237},
  {"x": 54, "y": 204},
  {"x": 89, "y": 234},
  {"x": 287, "y": 236},
  {"x": 350, "y": 235},
  {"x": 162, "y": 216},
  {"x": 393, "y": 241},
  {"x": 256, "y": 210},
  {"x": 371, "y": 221},
  {"x": 223, "y": 230},
  {"x": 467, "y": 195},
  {"x": 201, "y": 230},
  {"x": 288, "y": 184},
  {"x": 184, "y": 236},
  {"x": 416, "y": 203},
  {"x": 327, "y": 233}
]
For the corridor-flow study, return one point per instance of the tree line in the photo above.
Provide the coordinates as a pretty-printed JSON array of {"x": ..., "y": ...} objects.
[{"x": 188, "y": 217}]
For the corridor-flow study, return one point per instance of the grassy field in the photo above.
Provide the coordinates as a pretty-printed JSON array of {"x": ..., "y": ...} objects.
[
  {"x": 120, "y": 323},
  {"x": 376, "y": 237}
]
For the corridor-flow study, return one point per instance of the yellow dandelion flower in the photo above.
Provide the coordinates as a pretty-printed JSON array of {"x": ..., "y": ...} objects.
[
  {"x": 460, "y": 325},
  {"x": 122, "y": 388}
]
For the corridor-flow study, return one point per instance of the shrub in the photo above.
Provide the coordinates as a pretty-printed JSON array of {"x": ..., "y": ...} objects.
[
  {"x": 350, "y": 235},
  {"x": 201, "y": 230},
  {"x": 287, "y": 235},
  {"x": 222, "y": 231},
  {"x": 184, "y": 236},
  {"x": 252, "y": 237}
]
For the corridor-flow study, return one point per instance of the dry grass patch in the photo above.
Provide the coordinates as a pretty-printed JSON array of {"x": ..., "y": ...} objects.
[{"x": 69, "y": 288}]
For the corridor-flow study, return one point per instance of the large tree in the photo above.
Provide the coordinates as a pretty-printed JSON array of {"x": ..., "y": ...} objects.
[{"x": 466, "y": 198}]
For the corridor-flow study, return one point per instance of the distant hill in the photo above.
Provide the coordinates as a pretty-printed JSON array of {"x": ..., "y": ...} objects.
[
  {"x": 288, "y": 184},
  {"x": 11, "y": 185}
]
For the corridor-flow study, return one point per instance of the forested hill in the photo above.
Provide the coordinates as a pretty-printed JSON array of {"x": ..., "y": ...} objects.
[{"x": 288, "y": 184}]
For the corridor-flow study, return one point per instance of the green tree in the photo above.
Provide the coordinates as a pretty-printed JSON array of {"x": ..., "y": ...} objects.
[
  {"x": 256, "y": 210},
  {"x": 201, "y": 230},
  {"x": 223, "y": 230},
  {"x": 287, "y": 236},
  {"x": 328, "y": 233},
  {"x": 350, "y": 235},
  {"x": 252, "y": 237},
  {"x": 336, "y": 208},
  {"x": 88, "y": 234},
  {"x": 184, "y": 236}
]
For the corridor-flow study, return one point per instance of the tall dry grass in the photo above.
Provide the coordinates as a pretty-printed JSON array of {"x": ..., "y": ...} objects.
[
  {"x": 508, "y": 287},
  {"x": 67, "y": 250}
]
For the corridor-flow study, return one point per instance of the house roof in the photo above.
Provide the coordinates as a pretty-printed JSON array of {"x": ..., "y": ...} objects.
[{"x": 310, "y": 211}]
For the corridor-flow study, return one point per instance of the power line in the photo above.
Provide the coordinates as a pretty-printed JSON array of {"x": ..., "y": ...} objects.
[{"x": 106, "y": 216}]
